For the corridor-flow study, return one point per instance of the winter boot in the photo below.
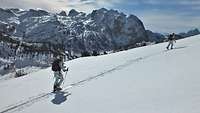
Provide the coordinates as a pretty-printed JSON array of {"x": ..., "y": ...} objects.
[
  {"x": 56, "y": 88},
  {"x": 59, "y": 88}
]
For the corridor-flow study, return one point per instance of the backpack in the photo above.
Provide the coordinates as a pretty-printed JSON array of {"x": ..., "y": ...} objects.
[
  {"x": 56, "y": 66},
  {"x": 170, "y": 37}
]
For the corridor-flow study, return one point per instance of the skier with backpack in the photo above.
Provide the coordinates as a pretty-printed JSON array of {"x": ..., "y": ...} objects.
[
  {"x": 57, "y": 68},
  {"x": 171, "y": 40}
]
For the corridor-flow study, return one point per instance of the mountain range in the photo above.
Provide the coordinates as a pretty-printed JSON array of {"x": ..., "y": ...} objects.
[{"x": 100, "y": 30}]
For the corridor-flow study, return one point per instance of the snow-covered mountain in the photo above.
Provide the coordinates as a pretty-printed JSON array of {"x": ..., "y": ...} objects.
[
  {"x": 100, "y": 30},
  {"x": 155, "y": 37},
  {"x": 158, "y": 37},
  {"x": 149, "y": 79},
  {"x": 190, "y": 33}
]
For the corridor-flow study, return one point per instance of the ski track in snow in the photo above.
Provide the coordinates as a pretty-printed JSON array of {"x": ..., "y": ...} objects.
[{"x": 31, "y": 100}]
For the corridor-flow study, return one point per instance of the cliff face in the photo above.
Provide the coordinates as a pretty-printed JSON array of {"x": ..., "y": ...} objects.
[{"x": 98, "y": 31}]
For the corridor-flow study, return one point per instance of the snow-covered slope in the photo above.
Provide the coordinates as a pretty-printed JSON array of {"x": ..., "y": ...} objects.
[{"x": 142, "y": 80}]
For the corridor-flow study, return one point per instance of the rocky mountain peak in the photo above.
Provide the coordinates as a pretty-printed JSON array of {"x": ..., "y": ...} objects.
[
  {"x": 63, "y": 13},
  {"x": 73, "y": 12}
]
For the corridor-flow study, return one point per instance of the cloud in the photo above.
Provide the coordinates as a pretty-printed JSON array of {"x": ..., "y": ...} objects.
[
  {"x": 169, "y": 22},
  {"x": 189, "y": 2},
  {"x": 58, "y": 5},
  {"x": 157, "y": 15},
  {"x": 50, "y": 5},
  {"x": 165, "y": 15}
]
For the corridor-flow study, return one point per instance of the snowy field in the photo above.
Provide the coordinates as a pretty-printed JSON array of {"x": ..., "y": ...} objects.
[{"x": 142, "y": 80}]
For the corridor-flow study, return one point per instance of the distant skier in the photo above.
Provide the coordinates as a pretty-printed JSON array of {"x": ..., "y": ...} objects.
[
  {"x": 171, "y": 40},
  {"x": 58, "y": 67}
]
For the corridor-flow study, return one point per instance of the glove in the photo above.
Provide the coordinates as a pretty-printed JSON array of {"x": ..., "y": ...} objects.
[{"x": 65, "y": 70}]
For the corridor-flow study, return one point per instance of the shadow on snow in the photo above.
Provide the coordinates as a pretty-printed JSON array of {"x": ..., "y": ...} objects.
[{"x": 60, "y": 97}]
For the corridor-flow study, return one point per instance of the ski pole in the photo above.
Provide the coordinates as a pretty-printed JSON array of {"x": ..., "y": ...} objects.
[{"x": 65, "y": 76}]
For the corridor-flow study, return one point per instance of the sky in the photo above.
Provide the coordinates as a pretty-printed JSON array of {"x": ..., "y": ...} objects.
[{"x": 163, "y": 16}]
